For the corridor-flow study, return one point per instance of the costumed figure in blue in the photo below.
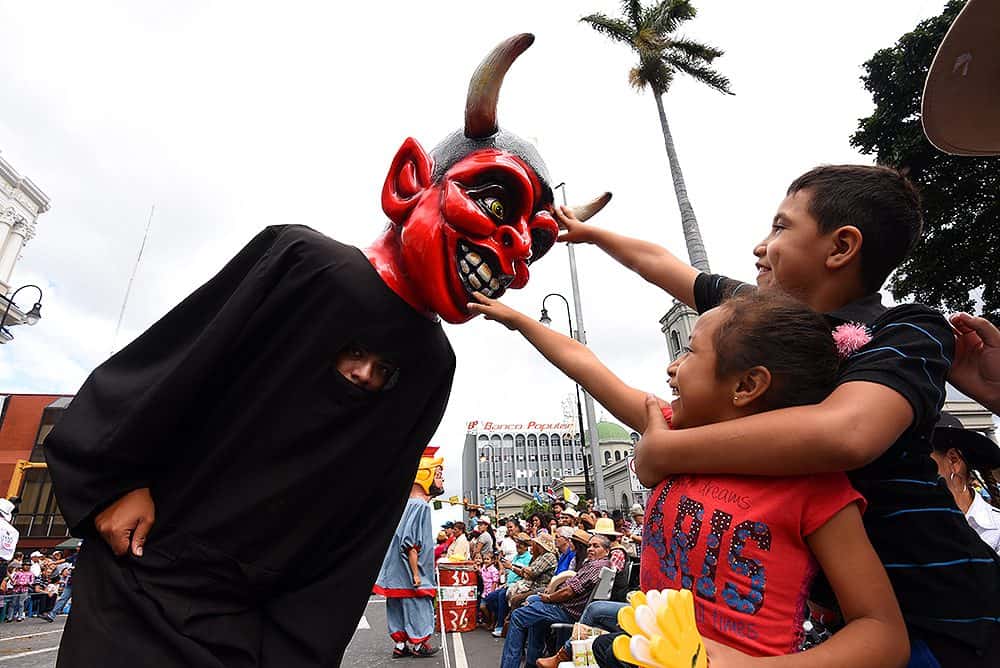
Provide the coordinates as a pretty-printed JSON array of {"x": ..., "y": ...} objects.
[{"x": 407, "y": 576}]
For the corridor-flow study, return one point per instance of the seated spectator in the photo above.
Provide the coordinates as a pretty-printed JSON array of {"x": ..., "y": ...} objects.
[
  {"x": 496, "y": 603},
  {"x": 507, "y": 546},
  {"x": 443, "y": 542},
  {"x": 459, "y": 548},
  {"x": 567, "y": 555},
  {"x": 617, "y": 555},
  {"x": 529, "y": 624},
  {"x": 483, "y": 540},
  {"x": 638, "y": 514},
  {"x": 581, "y": 539},
  {"x": 537, "y": 574}
]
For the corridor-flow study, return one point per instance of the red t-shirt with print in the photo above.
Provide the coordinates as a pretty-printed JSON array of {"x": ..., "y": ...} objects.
[{"x": 738, "y": 543}]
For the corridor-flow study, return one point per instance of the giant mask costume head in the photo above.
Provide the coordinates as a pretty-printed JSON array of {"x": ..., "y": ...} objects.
[
  {"x": 472, "y": 215},
  {"x": 430, "y": 473}
]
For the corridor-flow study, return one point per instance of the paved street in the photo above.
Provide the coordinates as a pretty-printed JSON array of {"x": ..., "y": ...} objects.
[
  {"x": 371, "y": 645},
  {"x": 33, "y": 642}
]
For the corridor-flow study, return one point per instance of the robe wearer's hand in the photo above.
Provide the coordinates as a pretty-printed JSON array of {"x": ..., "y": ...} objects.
[
  {"x": 571, "y": 230},
  {"x": 976, "y": 369},
  {"x": 125, "y": 524}
]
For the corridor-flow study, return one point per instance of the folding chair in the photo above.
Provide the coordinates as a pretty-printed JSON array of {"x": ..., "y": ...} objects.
[{"x": 602, "y": 592}]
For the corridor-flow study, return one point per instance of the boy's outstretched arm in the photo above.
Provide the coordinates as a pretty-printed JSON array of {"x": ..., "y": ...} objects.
[
  {"x": 574, "y": 359},
  {"x": 654, "y": 263},
  {"x": 850, "y": 428}
]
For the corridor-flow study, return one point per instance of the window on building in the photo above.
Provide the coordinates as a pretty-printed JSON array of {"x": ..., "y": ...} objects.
[
  {"x": 675, "y": 343},
  {"x": 607, "y": 457},
  {"x": 532, "y": 458},
  {"x": 618, "y": 455}
]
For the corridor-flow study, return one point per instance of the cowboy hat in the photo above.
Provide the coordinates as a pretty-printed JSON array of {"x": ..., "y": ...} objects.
[
  {"x": 980, "y": 452},
  {"x": 546, "y": 542},
  {"x": 606, "y": 527}
]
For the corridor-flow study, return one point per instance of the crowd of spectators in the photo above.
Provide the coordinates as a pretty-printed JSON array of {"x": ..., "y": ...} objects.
[
  {"x": 37, "y": 585},
  {"x": 542, "y": 568}
]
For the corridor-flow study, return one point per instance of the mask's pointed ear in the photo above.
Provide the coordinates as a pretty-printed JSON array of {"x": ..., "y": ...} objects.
[{"x": 408, "y": 177}]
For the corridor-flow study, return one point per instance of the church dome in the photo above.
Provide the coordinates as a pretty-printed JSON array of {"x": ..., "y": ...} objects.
[{"x": 609, "y": 431}]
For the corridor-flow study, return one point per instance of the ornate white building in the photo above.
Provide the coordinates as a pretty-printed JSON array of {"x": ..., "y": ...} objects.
[{"x": 21, "y": 202}]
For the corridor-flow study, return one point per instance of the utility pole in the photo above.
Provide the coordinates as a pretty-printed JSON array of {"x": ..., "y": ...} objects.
[{"x": 600, "y": 494}]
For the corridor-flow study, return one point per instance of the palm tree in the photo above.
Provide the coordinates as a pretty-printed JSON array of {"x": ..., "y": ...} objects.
[{"x": 651, "y": 33}]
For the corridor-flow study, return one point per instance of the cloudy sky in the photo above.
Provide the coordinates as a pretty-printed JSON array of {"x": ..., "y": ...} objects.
[{"x": 230, "y": 116}]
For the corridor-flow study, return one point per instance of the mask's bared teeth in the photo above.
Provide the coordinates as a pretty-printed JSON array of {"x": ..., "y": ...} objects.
[{"x": 495, "y": 284}]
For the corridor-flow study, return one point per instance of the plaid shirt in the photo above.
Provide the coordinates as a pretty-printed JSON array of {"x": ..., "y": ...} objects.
[
  {"x": 582, "y": 584},
  {"x": 541, "y": 570}
]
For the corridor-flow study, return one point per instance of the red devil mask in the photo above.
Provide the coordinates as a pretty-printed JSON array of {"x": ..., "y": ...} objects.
[{"x": 472, "y": 215}]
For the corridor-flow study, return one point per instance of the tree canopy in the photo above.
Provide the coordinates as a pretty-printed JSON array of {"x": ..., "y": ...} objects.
[
  {"x": 650, "y": 33},
  {"x": 957, "y": 254}
]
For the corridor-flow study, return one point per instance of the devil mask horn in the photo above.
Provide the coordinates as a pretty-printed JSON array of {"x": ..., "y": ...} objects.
[
  {"x": 587, "y": 211},
  {"x": 484, "y": 88}
]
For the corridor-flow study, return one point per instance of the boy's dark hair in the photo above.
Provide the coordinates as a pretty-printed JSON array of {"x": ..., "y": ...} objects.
[
  {"x": 792, "y": 341},
  {"x": 879, "y": 201}
]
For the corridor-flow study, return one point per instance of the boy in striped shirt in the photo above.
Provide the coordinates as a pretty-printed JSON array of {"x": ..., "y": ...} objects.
[{"x": 836, "y": 237}]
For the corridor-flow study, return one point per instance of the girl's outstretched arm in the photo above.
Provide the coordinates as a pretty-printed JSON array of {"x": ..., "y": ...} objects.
[
  {"x": 874, "y": 636},
  {"x": 654, "y": 263},
  {"x": 574, "y": 359}
]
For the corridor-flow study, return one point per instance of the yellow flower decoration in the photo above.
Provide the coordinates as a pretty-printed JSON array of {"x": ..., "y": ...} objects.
[{"x": 662, "y": 629}]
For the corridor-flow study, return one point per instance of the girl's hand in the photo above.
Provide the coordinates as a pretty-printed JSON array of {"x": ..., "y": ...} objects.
[
  {"x": 491, "y": 309},
  {"x": 571, "y": 229}
]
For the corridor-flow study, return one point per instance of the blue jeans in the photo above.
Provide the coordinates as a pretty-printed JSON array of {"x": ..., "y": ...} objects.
[
  {"x": 496, "y": 603},
  {"x": 527, "y": 629},
  {"x": 63, "y": 599},
  {"x": 602, "y": 614}
]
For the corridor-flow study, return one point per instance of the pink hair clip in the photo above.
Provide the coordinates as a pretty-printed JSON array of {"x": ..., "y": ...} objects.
[{"x": 850, "y": 337}]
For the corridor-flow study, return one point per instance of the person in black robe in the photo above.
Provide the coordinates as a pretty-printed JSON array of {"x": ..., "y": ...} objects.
[{"x": 238, "y": 492}]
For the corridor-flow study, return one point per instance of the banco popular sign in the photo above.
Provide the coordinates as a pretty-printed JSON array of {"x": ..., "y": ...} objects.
[{"x": 531, "y": 425}]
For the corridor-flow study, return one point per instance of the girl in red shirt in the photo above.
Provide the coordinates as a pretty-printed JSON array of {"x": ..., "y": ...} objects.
[{"x": 747, "y": 547}]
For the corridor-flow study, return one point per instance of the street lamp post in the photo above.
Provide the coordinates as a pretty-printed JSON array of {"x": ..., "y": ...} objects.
[
  {"x": 600, "y": 495},
  {"x": 546, "y": 320},
  {"x": 31, "y": 317}
]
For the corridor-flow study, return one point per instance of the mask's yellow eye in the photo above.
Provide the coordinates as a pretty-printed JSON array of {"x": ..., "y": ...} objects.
[{"x": 494, "y": 206}]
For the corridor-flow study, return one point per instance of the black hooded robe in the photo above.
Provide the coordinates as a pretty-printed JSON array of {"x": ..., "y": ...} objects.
[{"x": 277, "y": 483}]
